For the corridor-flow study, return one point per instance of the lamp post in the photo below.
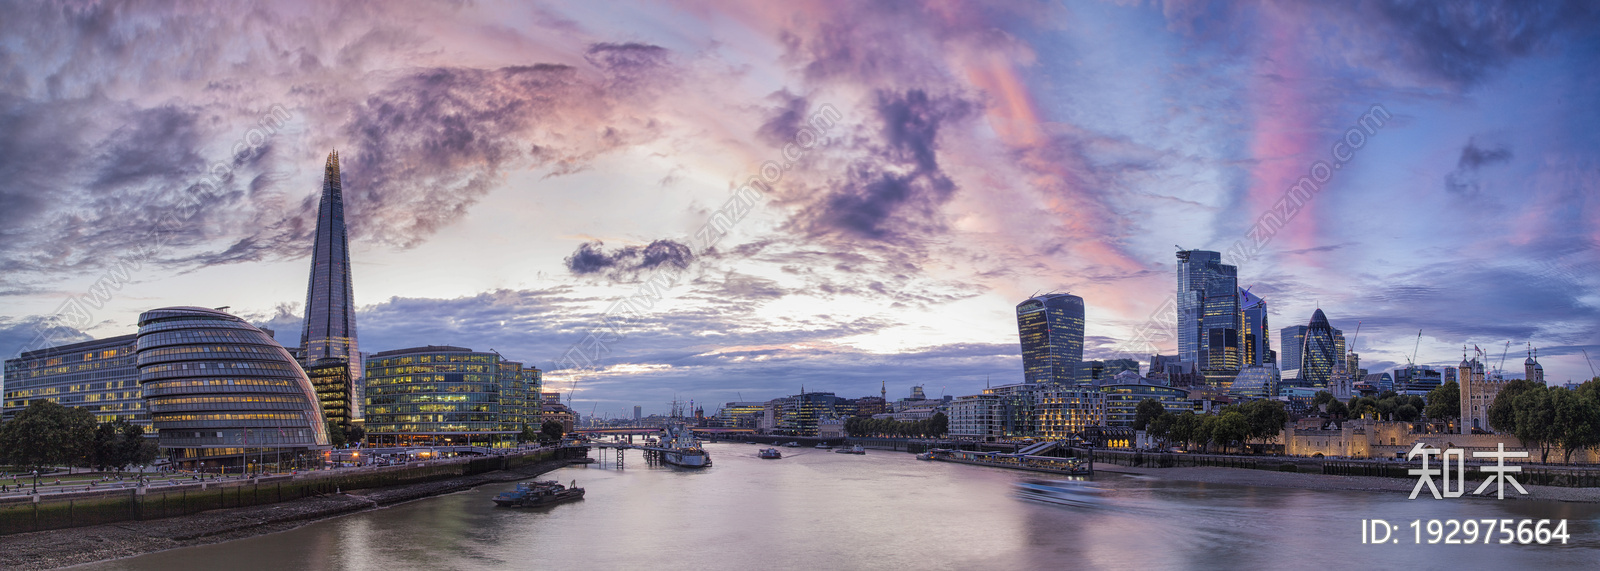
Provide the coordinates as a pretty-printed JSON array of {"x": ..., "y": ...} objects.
[{"x": 35, "y": 482}]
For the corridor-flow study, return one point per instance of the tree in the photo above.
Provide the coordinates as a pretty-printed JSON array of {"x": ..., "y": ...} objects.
[
  {"x": 1321, "y": 398},
  {"x": 1360, "y": 407},
  {"x": 551, "y": 431},
  {"x": 1146, "y": 411},
  {"x": 1337, "y": 410},
  {"x": 1186, "y": 428},
  {"x": 1265, "y": 419},
  {"x": 48, "y": 434},
  {"x": 355, "y": 434},
  {"x": 1578, "y": 419},
  {"x": 527, "y": 434},
  {"x": 1407, "y": 413},
  {"x": 1502, "y": 412},
  {"x": 1444, "y": 403},
  {"x": 1161, "y": 427},
  {"x": 1536, "y": 420},
  {"x": 336, "y": 435},
  {"x": 938, "y": 425},
  {"x": 117, "y": 443}
]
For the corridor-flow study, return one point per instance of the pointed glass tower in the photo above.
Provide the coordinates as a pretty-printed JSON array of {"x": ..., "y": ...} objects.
[{"x": 330, "y": 326}]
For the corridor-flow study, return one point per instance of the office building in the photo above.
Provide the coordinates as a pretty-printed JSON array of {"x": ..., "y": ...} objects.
[
  {"x": 1293, "y": 342},
  {"x": 99, "y": 376},
  {"x": 1322, "y": 352},
  {"x": 1209, "y": 316},
  {"x": 222, "y": 392},
  {"x": 335, "y": 388},
  {"x": 734, "y": 414},
  {"x": 638, "y": 412},
  {"x": 1050, "y": 328},
  {"x": 1096, "y": 373},
  {"x": 1418, "y": 381},
  {"x": 1065, "y": 412},
  {"x": 1255, "y": 382},
  {"x": 1122, "y": 400},
  {"x": 1016, "y": 411},
  {"x": 442, "y": 395},
  {"x": 1257, "y": 340},
  {"x": 329, "y": 331}
]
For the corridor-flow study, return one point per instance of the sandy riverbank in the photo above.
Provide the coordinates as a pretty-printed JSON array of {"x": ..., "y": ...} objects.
[
  {"x": 1251, "y": 477},
  {"x": 74, "y": 546}
]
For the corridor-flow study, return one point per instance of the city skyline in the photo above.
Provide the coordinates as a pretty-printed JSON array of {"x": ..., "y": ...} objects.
[{"x": 509, "y": 176}]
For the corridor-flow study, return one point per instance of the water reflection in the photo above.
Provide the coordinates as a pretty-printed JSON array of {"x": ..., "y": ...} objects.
[{"x": 885, "y": 510}]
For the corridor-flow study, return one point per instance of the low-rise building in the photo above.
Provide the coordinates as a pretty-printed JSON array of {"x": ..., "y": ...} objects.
[
  {"x": 974, "y": 416},
  {"x": 1122, "y": 400}
]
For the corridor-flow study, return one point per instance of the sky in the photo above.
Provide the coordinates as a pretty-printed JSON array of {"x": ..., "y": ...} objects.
[{"x": 514, "y": 169}]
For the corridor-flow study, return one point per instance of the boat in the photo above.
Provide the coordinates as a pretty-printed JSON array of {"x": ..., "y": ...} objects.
[
  {"x": 770, "y": 454},
  {"x": 535, "y": 494},
  {"x": 925, "y": 456},
  {"x": 792, "y": 445},
  {"x": 857, "y": 449},
  {"x": 823, "y": 446},
  {"x": 682, "y": 448},
  {"x": 1061, "y": 492}
]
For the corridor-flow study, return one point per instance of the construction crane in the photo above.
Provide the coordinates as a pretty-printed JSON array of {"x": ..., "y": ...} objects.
[
  {"x": 1591, "y": 365},
  {"x": 1501, "y": 368},
  {"x": 1415, "y": 347}
]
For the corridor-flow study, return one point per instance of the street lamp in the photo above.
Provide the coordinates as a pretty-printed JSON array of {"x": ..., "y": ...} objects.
[{"x": 35, "y": 482}]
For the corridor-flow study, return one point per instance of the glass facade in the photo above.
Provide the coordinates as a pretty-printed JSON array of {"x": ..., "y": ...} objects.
[
  {"x": 1256, "y": 382},
  {"x": 219, "y": 390},
  {"x": 98, "y": 376},
  {"x": 439, "y": 395},
  {"x": 1322, "y": 352},
  {"x": 1051, "y": 330},
  {"x": 329, "y": 331},
  {"x": 1209, "y": 315},
  {"x": 1122, "y": 400},
  {"x": 1257, "y": 349},
  {"x": 335, "y": 388}
]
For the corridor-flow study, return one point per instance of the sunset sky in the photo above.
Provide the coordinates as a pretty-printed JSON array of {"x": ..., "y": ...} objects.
[{"x": 512, "y": 169}]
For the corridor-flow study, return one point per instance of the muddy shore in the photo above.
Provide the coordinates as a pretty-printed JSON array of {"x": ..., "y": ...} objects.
[{"x": 58, "y": 548}]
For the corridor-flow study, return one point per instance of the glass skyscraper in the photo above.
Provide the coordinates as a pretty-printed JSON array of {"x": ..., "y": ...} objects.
[
  {"x": 222, "y": 392},
  {"x": 438, "y": 395},
  {"x": 1050, "y": 327},
  {"x": 1257, "y": 349},
  {"x": 1323, "y": 352},
  {"x": 330, "y": 325},
  {"x": 1209, "y": 315}
]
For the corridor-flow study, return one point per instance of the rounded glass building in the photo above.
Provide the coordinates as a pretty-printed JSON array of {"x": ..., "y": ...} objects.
[{"x": 222, "y": 392}]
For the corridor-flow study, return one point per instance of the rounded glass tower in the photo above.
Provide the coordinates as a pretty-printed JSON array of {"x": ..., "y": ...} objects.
[{"x": 222, "y": 392}]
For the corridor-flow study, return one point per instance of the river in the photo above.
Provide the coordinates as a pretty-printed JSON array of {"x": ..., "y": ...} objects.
[{"x": 814, "y": 509}]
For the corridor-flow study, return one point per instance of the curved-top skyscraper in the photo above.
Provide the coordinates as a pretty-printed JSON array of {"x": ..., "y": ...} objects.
[
  {"x": 1051, "y": 329},
  {"x": 330, "y": 326},
  {"x": 1321, "y": 353}
]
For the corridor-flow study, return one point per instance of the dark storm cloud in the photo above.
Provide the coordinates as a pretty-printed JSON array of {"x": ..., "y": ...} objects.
[
  {"x": 628, "y": 263},
  {"x": 1515, "y": 303},
  {"x": 898, "y": 186}
]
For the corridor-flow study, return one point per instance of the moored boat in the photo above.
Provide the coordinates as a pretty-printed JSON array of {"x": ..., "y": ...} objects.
[
  {"x": 535, "y": 494},
  {"x": 857, "y": 449},
  {"x": 682, "y": 449},
  {"x": 770, "y": 454}
]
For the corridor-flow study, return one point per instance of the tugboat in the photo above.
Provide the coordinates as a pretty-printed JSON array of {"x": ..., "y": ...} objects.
[
  {"x": 857, "y": 449},
  {"x": 535, "y": 494},
  {"x": 770, "y": 454}
]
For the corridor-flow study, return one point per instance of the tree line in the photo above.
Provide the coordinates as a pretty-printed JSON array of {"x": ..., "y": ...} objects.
[
  {"x": 47, "y": 434},
  {"x": 934, "y": 426},
  {"x": 1232, "y": 427},
  {"x": 1549, "y": 418}
]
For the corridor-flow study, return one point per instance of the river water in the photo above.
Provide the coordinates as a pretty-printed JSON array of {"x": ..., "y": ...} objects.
[{"x": 814, "y": 509}]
